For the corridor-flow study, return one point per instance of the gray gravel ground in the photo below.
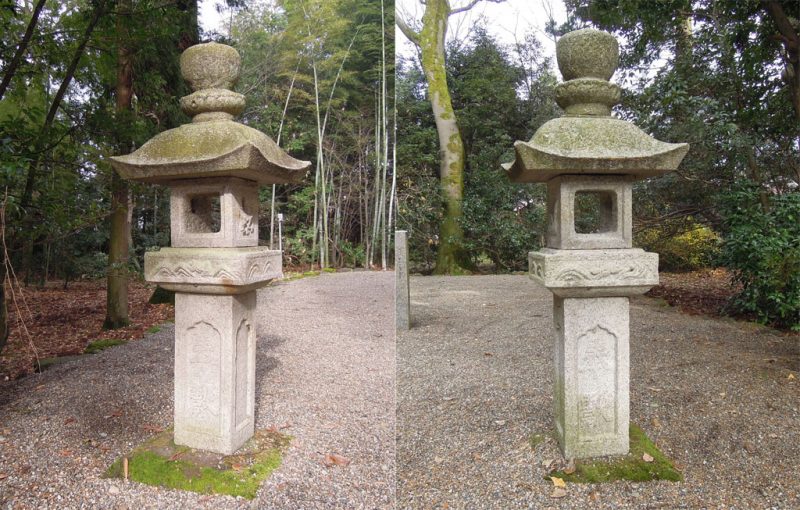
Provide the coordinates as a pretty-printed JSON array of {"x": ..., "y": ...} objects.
[
  {"x": 325, "y": 371},
  {"x": 474, "y": 382}
]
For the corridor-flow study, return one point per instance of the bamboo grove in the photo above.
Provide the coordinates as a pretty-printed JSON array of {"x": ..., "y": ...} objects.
[{"x": 83, "y": 80}]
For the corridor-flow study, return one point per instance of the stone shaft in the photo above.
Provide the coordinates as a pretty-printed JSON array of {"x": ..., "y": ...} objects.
[
  {"x": 591, "y": 375},
  {"x": 403, "y": 297},
  {"x": 215, "y": 360}
]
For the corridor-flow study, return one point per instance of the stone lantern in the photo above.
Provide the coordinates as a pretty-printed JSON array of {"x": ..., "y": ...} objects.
[
  {"x": 593, "y": 273},
  {"x": 213, "y": 168}
]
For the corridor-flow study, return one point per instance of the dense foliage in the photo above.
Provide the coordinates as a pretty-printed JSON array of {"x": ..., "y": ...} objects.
[
  {"x": 763, "y": 250},
  {"x": 83, "y": 80},
  {"x": 499, "y": 95}
]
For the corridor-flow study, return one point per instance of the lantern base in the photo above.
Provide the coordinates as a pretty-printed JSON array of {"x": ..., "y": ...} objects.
[
  {"x": 215, "y": 359},
  {"x": 591, "y": 375}
]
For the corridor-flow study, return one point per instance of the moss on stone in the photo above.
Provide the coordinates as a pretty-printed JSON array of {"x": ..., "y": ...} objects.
[
  {"x": 159, "y": 462},
  {"x": 627, "y": 467},
  {"x": 102, "y": 344}
]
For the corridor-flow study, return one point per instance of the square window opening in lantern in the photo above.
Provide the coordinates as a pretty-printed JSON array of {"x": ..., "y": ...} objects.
[
  {"x": 595, "y": 212},
  {"x": 203, "y": 216}
]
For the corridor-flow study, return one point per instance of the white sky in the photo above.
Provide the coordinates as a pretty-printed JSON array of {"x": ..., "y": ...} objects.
[
  {"x": 208, "y": 16},
  {"x": 507, "y": 21}
]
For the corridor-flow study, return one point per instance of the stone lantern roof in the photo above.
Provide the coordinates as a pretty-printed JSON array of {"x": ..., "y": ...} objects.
[
  {"x": 213, "y": 145},
  {"x": 587, "y": 140}
]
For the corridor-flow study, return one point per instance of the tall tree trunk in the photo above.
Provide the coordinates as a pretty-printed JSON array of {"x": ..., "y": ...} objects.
[
  {"x": 11, "y": 69},
  {"x": 190, "y": 35},
  {"x": 450, "y": 257},
  {"x": 117, "y": 288},
  {"x": 5, "y": 330},
  {"x": 790, "y": 38},
  {"x": 791, "y": 45}
]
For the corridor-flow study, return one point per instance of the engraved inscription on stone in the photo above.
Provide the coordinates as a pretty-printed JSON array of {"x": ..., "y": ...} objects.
[
  {"x": 203, "y": 384},
  {"x": 244, "y": 410},
  {"x": 597, "y": 382}
]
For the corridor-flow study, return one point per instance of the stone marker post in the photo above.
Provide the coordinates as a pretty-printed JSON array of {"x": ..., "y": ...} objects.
[
  {"x": 589, "y": 155},
  {"x": 403, "y": 297},
  {"x": 213, "y": 168}
]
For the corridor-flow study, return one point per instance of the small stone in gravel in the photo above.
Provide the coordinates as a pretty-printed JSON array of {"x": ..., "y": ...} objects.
[
  {"x": 113, "y": 489},
  {"x": 558, "y": 492},
  {"x": 500, "y": 422}
]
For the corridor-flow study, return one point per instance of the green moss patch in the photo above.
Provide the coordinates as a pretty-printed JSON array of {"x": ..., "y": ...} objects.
[
  {"x": 160, "y": 462},
  {"x": 153, "y": 329},
  {"x": 628, "y": 467},
  {"x": 101, "y": 345}
]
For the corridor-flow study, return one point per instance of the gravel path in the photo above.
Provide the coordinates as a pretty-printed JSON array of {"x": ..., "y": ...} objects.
[
  {"x": 325, "y": 371},
  {"x": 474, "y": 380}
]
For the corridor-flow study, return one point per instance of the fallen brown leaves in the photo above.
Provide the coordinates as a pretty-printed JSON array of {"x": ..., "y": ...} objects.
[
  {"x": 64, "y": 322},
  {"x": 334, "y": 459},
  {"x": 704, "y": 292}
]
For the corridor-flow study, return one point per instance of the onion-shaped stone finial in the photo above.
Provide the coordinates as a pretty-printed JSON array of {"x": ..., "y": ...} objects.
[
  {"x": 211, "y": 69},
  {"x": 587, "y": 59}
]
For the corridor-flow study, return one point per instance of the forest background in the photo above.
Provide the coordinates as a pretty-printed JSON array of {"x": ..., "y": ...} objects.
[
  {"x": 83, "y": 80},
  {"x": 721, "y": 75}
]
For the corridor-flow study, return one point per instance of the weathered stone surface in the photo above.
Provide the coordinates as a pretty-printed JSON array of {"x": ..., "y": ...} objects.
[
  {"x": 594, "y": 273},
  {"x": 212, "y": 270},
  {"x": 615, "y": 212},
  {"x": 592, "y": 145},
  {"x": 211, "y": 149},
  {"x": 212, "y": 145},
  {"x": 588, "y": 140},
  {"x": 403, "y": 296},
  {"x": 213, "y": 167},
  {"x": 196, "y": 222},
  {"x": 210, "y": 66},
  {"x": 592, "y": 375},
  {"x": 591, "y": 273},
  {"x": 587, "y": 53},
  {"x": 215, "y": 361}
]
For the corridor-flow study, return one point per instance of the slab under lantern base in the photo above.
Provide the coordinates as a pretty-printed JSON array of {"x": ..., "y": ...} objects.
[
  {"x": 591, "y": 375},
  {"x": 215, "y": 354}
]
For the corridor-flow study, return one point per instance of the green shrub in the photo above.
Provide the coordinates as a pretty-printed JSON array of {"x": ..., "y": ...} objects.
[
  {"x": 762, "y": 249},
  {"x": 352, "y": 255},
  {"x": 694, "y": 247}
]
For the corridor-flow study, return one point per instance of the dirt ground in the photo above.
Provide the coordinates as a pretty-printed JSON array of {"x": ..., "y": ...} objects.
[{"x": 61, "y": 322}]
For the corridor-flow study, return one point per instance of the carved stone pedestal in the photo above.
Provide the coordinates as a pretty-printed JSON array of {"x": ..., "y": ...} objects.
[
  {"x": 590, "y": 160},
  {"x": 591, "y": 375},
  {"x": 215, "y": 370},
  {"x": 213, "y": 167}
]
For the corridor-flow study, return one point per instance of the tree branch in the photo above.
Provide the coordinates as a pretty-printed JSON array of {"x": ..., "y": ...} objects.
[
  {"x": 407, "y": 30},
  {"x": 467, "y": 7},
  {"x": 21, "y": 48},
  {"x": 470, "y": 5}
]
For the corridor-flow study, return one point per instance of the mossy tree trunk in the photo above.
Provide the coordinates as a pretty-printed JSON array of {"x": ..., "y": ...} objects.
[
  {"x": 790, "y": 39},
  {"x": 430, "y": 40},
  {"x": 4, "y": 327},
  {"x": 117, "y": 288}
]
